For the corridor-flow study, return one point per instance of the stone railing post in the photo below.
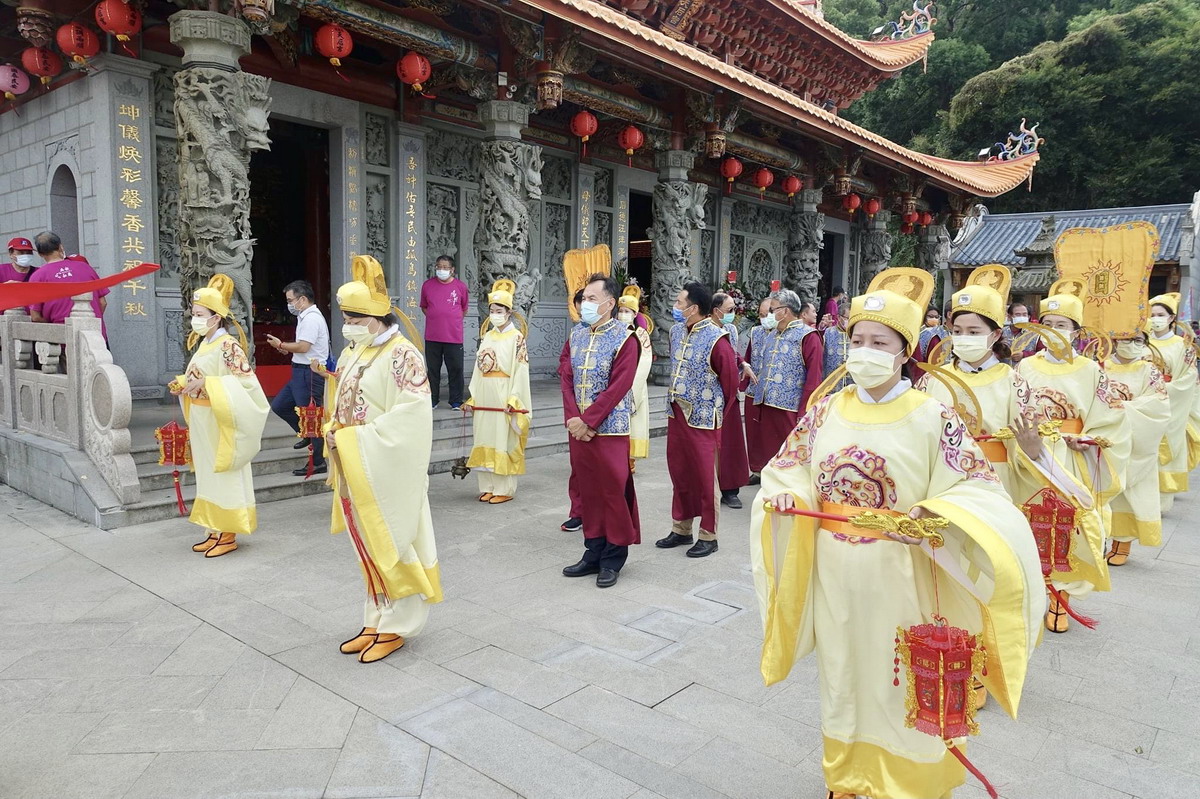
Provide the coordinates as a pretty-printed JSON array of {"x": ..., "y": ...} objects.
[
  {"x": 13, "y": 355},
  {"x": 678, "y": 214}
]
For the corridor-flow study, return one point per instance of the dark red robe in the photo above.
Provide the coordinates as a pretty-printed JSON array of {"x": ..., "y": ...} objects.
[{"x": 733, "y": 466}]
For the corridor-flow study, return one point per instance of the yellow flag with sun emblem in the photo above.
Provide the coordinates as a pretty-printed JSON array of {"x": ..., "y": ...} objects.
[{"x": 1114, "y": 265}]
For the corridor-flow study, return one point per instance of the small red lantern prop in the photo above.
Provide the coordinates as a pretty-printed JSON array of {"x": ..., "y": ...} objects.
[
  {"x": 41, "y": 62},
  {"x": 630, "y": 138},
  {"x": 926, "y": 219},
  {"x": 731, "y": 168},
  {"x": 311, "y": 417},
  {"x": 776, "y": 284},
  {"x": 906, "y": 229},
  {"x": 763, "y": 178},
  {"x": 414, "y": 69},
  {"x": 173, "y": 450},
  {"x": 584, "y": 125},
  {"x": 791, "y": 185},
  {"x": 1052, "y": 520},
  {"x": 851, "y": 202},
  {"x": 335, "y": 43},
  {"x": 731, "y": 276},
  {"x": 872, "y": 207},
  {"x": 120, "y": 20},
  {"x": 910, "y": 217},
  {"x": 13, "y": 81},
  {"x": 77, "y": 42}
]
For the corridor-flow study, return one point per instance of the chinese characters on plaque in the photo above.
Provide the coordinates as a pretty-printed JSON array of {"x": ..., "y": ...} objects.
[
  {"x": 410, "y": 233},
  {"x": 352, "y": 199},
  {"x": 133, "y": 196}
]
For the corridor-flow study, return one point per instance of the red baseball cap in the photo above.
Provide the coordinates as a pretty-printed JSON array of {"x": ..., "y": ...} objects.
[
  {"x": 20, "y": 243},
  {"x": 78, "y": 257}
]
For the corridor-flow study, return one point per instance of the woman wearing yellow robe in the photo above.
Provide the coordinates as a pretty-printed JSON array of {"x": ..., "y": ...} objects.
[
  {"x": 380, "y": 436},
  {"x": 1073, "y": 391},
  {"x": 1180, "y": 361},
  {"x": 639, "y": 423},
  {"x": 225, "y": 411},
  {"x": 1139, "y": 386},
  {"x": 500, "y": 401},
  {"x": 843, "y": 591}
]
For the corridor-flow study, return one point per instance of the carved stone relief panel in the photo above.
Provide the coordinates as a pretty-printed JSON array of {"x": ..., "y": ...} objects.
[
  {"x": 603, "y": 191},
  {"x": 375, "y": 140},
  {"x": 760, "y": 272},
  {"x": 760, "y": 219},
  {"x": 452, "y": 155},
  {"x": 470, "y": 220},
  {"x": 708, "y": 241},
  {"x": 164, "y": 97},
  {"x": 377, "y": 216},
  {"x": 554, "y": 247},
  {"x": 176, "y": 358},
  {"x": 166, "y": 155},
  {"x": 737, "y": 251},
  {"x": 556, "y": 177},
  {"x": 602, "y": 225},
  {"x": 441, "y": 218}
]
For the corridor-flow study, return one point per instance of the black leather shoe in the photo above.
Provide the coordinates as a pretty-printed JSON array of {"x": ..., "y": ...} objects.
[
  {"x": 581, "y": 569},
  {"x": 673, "y": 540},
  {"x": 320, "y": 468},
  {"x": 730, "y": 499},
  {"x": 301, "y": 444},
  {"x": 607, "y": 578},
  {"x": 572, "y": 525},
  {"x": 702, "y": 549},
  {"x": 755, "y": 479}
]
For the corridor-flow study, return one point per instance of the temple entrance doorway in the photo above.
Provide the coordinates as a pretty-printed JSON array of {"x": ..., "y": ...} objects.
[
  {"x": 289, "y": 216},
  {"x": 640, "y": 219}
]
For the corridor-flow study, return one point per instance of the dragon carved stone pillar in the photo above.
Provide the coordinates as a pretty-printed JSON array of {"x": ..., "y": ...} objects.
[
  {"x": 678, "y": 214},
  {"x": 933, "y": 254},
  {"x": 221, "y": 118},
  {"x": 511, "y": 181},
  {"x": 876, "y": 248},
  {"x": 806, "y": 238}
]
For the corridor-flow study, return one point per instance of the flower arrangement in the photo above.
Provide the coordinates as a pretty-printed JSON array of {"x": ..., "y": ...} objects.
[{"x": 744, "y": 306}]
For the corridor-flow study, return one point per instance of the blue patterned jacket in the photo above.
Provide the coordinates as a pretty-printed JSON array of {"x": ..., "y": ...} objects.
[
  {"x": 592, "y": 355},
  {"x": 694, "y": 385}
]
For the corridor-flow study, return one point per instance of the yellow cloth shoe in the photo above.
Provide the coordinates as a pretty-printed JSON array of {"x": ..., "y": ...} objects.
[
  {"x": 499, "y": 500},
  {"x": 837, "y": 795},
  {"x": 1118, "y": 555},
  {"x": 381, "y": 648},
  {"x": 1057, "y": 619},
  {"x": 980, "y": 693},
  {"x": 206, "y": 544},
  {"x": 225, "y": 544},
  {"x": 358, "y": 643},
  {"x": 485, "y": 497}
]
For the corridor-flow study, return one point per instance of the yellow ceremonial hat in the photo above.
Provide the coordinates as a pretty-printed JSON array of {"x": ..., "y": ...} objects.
[
  {"x": 216, "y": 295},
  {"x": 366, "y": 294},
  {"x": 1170, "y": 301},
  {"x": 1066, "y": 299},
  {"x": 502, "y": 293},
  {"x": 631, "y": 297},
  {"x": 897, "y": 297},
  {"x": 986, "y": 293}
]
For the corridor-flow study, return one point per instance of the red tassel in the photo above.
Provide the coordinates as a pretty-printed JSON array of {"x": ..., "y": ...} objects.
[
  {"x": 179, "y": 494},
  {"x": 338, "y": 72},
  {"x": 375, "y": 585},
  {"x": 987, "y": 786},
  {"x": 309, "y": 473},
  {"x": 1086, "y": 621}
]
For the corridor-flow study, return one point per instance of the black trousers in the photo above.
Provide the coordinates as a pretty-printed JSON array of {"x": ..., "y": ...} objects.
[
  {"x": 437, "y": 353},
  {"x": 303, "y": 386},
  {"x": 608, "y": 556}
]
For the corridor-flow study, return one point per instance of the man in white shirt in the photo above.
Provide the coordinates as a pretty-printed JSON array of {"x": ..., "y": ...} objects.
[{"x": 312, "y": 343}]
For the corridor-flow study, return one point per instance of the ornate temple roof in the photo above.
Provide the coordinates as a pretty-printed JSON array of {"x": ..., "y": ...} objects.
[{"x": 887, "y": 56}]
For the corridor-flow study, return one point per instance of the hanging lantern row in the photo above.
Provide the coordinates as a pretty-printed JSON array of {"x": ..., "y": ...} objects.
[
  {"x": 584, "y": 126},
  {"x": 77, "y": 42}
]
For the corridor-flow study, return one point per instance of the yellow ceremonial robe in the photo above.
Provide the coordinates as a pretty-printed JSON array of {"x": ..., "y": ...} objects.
[
  {"x": 225, "y": 432},
  {"x": 1077, "y": 392},
  {"x": 844, "y": 596},
  {"x": 500, "y": 380},
  {"x": 1140, "y": 387},
  {"x": 639, "y": 423},
  {"x": 1173, "y": 459},
  {"x": 384, "y": 436}
]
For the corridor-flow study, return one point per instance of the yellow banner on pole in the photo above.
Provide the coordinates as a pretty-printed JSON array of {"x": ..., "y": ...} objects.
[
  {"x": 1114, "y": 265},
  {"x": 579, "y": 265}
]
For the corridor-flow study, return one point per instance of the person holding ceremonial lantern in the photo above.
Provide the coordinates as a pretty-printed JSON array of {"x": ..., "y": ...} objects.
[
  {"x": 500, "y": 400},
  {"x": 883, "y": 541},
  {"x": 226, "y": 411},
  {"x": 381, "y": 426}
]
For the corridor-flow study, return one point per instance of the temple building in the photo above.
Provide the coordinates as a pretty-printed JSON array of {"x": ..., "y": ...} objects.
[{"x": 270, "y": 139}]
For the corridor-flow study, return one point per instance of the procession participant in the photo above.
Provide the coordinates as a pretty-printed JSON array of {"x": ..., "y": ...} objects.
[
  {"x": 794, "y": 368},
  {"x": 836, "y": 345},
  {"x": 378, "y": 440},
  {"x": 758, "y": 346},
  {"x": 733, "y": 469},
  {"x": 500, "y": 400},
  {"x": 639, "y": 426},
  {"x": 1180, "y": 360},
  {"x": 1139, "y": 385},
  {"x": 931, "y": 336},
  {"x": 21, "y": 266},
  {"x": 704, "y": 379},
  {"x": 1069, "y": 388},
  {"x": 225, "y": 411},
  {"x": 844, "y": 591},
  {"x": 597, "y": 391},
  {"x": 574, "y": 522},
  {"x": 312, "y": 343},
  {"x": 1021, "y": 343}
]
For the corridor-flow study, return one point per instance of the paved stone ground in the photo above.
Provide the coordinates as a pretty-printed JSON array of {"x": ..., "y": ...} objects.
[{"x": 131, "y": 667}]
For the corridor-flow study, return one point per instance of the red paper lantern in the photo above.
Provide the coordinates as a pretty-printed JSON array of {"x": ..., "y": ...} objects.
[
  {"x": 731, "y": 276},
  {"x": 414, "y": 69},
  {"x": 584, "y": 125},
  {"x": 872, "y": 207},
  {"x": 13, "y": 81},
  {"x": 730, "y": 169},
  {"x": 630, "y": 138},
  {"x": 78, "y": 42},
  {"x": 906, "y": 228},
  {"x": 332, "y": 41},
  {"x": 118, "y": 19},
  {"x": 791, "y": 185},
  {"x": 851, "y": 202},
  {"x": 910, "y": 217},
  {"x": 763, "y": 178},
  {"x": 41, "y": 62},
  {"x": 926, "y": 219}
]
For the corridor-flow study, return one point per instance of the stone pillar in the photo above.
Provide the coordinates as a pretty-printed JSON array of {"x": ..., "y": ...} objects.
[
  {"x": 587, "y": 201},
  {"x": 806, "y": 238},
  {"x": 678, "y": 212},
  {"x": 875, "y": 252},
  {"x": 933, "y": 253},
  {"x": 221, "y": 118},
  {"x": 510, "y": 182}
]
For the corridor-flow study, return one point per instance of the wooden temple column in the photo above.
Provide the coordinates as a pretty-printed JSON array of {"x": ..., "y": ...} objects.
[
  {"x": 509, "y": 183},
  {"x": 875, "y": 251},
  {"x": 806, "y": 238},
  {"x": 678, "y": 214}
]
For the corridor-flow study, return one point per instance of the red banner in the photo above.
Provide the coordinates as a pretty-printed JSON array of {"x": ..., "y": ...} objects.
[{"x": 17, "y": 295}]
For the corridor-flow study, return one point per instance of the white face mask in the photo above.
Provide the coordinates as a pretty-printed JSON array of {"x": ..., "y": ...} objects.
[
  {"x": 971, "y": 348},
  {"x": 25, "y": 260},
  {"x": 358, "y": 334},
  {"x": 626, "y": 317},
  {"x": 1020, "y": 320},
  {"x": 1131, "y": 350},
  {"x": 769, "y": 321},
  {"x": 200, "y": 324},
  {"x": 870, "y": 368},
  {"x": 498, "y": 319},
  {"x": 1160, "y": 323},
  {"x": 443, "y": 274}
]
